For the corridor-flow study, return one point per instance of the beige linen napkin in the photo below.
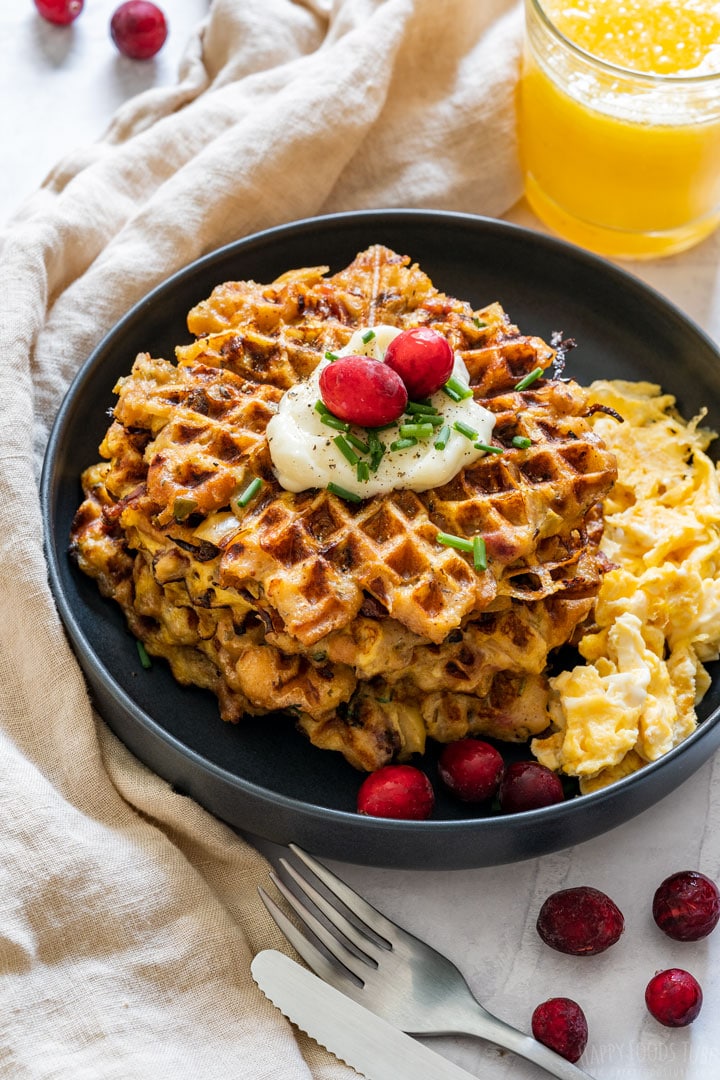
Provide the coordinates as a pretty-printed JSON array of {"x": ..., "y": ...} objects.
[{"x": 128, "y": 915}]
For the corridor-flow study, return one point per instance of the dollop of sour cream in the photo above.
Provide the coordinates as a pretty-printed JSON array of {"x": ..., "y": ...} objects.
[{"x": 304, "y": 454}]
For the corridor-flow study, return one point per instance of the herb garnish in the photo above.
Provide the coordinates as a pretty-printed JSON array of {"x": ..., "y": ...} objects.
[
  {"x": 250, "y": 491},
  {"x": 343, "y": 493},
  {"x": 529, "y": 379}
]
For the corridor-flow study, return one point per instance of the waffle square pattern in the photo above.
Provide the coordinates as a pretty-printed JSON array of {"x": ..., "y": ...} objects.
[{"x": 351, "y": 614}]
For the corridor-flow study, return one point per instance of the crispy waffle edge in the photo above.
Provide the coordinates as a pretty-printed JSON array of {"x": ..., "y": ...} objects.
[{"x": 352, "y": 617}]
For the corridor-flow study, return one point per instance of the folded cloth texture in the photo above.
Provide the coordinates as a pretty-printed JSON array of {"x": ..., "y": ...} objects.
[{"x": 129, "y": 915}]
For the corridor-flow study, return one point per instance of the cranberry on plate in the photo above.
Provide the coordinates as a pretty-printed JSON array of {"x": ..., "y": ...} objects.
[
  {"x": 528, "y": 785},
  {"x": 560, "y": 1024},
  {"x": 581, "y": 921},
  {"x": 396, "y": 791},
  {"x": 422, "y": 358},
  {"x": 471, "y": 769},
  {"x": 686, "y": 906},
  {"x": 138, "y": 29},
  {"x": 363, "y": 391},
  {"x": 60, "y": 12},
  {"x": 674, "y": 997}
]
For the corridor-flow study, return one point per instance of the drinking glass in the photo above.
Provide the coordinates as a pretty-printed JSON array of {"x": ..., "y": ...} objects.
[{"x": 624, "y": 163}]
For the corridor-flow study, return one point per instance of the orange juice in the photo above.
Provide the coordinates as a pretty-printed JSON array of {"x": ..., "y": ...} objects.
[{"x": 620, "y": 122}]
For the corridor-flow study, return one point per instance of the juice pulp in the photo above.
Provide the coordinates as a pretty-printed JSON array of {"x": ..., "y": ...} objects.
[{"x": 625, "y": 162}]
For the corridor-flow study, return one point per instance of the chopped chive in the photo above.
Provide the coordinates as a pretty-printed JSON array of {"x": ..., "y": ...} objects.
[
  {"x": 522, "y": 442},
  {"x": 183, "y": 507},
  {"x": 381, "y": 427},
  {"x": 403, "y": 444},
  {"x": 414, "y": 407},
  {"x": 331, "y": 356},
  {"x": 346, "y": 450},
  {"x": 454, "y": 387},
  {"x": 363, "y": 471},
  {"x": 478, "y": 322},
  {"x": 343, "y": 493},
  {"x": 442, "y": 439},
  {"x": 457, "y": 542},
  {"x": 476, "y": 547},
  {"x": 465, "y": 430},
  {"x": 334, "y": 422},
  {"x": 479, "y": 553},
  {"x": 329, "y": 418},
  {"x": 428, "y": 418},
  {"x": 368, "y": 336},
  {"x": 357, "y": 443},
  {"x": 529, "y": 379},
  {"x": 377, "y": 450},
  {"x": 417, "y": 431},
  {"x": 250, "y": 491},
  {"x": 145, "y": 660},
  {"x": 488, "y": 448}
]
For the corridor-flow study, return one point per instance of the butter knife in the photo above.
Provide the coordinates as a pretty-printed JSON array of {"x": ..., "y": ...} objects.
[{"x": 357, "y": 1036}]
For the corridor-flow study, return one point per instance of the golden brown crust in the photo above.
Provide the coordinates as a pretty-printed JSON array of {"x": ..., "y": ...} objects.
[{"x": 307, "y": 602}]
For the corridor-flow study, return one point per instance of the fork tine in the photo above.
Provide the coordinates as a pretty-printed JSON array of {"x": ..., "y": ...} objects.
[
  {"x": 384, "y": 929},
  {"x": 342, "y": 954},
  {"x": 354, "y": 935},
  {"x": 309, "y": 952}
]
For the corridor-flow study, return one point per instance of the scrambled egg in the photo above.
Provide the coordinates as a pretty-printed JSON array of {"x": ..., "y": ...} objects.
[{"x": 657, "y": 617}]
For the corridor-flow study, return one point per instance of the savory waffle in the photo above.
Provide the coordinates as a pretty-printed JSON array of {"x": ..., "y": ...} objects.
[{"x": 353, "y": 615}]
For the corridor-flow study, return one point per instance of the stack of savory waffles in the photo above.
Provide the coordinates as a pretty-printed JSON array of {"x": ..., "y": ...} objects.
[{"x": 353, "y": 616}]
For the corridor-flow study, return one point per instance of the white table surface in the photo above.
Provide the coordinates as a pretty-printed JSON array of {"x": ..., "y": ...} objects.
[{"x": 58, "y": 89}]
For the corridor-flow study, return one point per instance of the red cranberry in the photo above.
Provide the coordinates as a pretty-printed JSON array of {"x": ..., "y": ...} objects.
[
  {"x": 560, "y": 1024},
  {"x": 581, "y": 921},
  {"x": 139, "y": 29},
  {"x": 422, "y": 358},
  {"x": 674, "y": 997},
  {"x": 60, "y": 12},
  {"x": 363, "y": 391},
  {"x": 471, "y": 769},
  {"x": 686, "y": 906},
  {"x": 528, "y": 785},
  {"x": 396, "y": 791}
]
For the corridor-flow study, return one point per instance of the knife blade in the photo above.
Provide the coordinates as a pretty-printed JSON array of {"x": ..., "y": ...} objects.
[{"x": 357, "y": 1036}]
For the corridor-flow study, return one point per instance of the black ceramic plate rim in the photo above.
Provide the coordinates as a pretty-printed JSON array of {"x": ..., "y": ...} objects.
[{"x": 70, "y": 404}]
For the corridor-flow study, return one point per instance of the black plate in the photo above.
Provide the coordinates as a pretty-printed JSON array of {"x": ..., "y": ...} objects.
[{"x": 261, "y": 776}]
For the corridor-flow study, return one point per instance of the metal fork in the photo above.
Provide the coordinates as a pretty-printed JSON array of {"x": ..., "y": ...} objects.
[{"x": 390, "y": 971}]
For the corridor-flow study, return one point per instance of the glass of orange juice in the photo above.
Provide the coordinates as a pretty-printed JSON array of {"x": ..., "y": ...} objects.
[{"x": 620, "y": 122}]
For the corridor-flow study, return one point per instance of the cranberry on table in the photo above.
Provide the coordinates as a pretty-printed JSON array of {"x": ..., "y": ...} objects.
[
  {"x": 674, "y": 997},
  {"x": 582, "y": 921},
  {"x": 686, "y": 906},
  {"x": 363, "y": 391},
  {"x": 396, "y": 791},
  {"x": 471, "y": 769},
  {"x": 528, "y": 785},
  {"x": 422, "y": 358},
  {"x": 139, "y": 29},
  {"x": 60, "y": 12},
  {"x": 560, "y": 1024}
]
